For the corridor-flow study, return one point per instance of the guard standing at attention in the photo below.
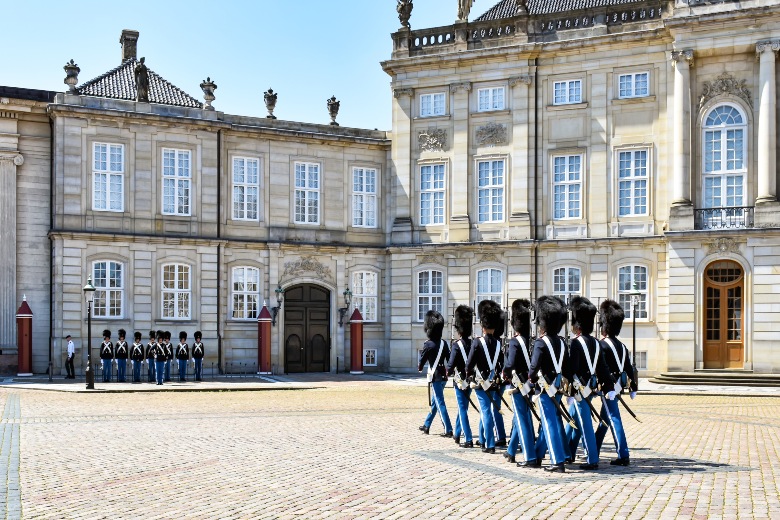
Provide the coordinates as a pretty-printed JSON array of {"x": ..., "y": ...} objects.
[
  {"x": 182, "y": 355},
  {"x": 552, "y": 361},
  {"x": 137, "y": 356},
  {"x": 198, "y": 351},
  {"x": 121, "y": 353},
  {"x": 456, "y": 368},
  {"x": 160, "y": 357},
  {"x": 150, "y": 355},
  {"x": 69, "y": 360},
  {"x": 106, "y": 355},
  {"x": 435, "y": 353},
  {"x": 168, "y": 355}
]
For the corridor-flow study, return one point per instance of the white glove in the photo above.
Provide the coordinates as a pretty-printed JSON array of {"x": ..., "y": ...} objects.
[
  {"x": 534, "y": 398},
  {"x": 577, "y": 384},
  {"x": 632, "y": 395},
  {"x": 611, "y": 395},
  {"x": 526, "y": 388},
  {"x": 570, "y": 401},
  {"x": 618, "y": 388}
]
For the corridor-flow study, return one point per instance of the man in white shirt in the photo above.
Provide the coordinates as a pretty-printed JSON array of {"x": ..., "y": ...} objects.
[{"x": 69, "y": 360}]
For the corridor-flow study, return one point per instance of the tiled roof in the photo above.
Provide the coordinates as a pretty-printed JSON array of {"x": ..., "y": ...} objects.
[
  {"x": 508, "y": 8},
  {"x": 119, "y": 83}
]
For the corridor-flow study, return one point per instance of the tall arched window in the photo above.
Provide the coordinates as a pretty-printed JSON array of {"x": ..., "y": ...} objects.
[{"x": 724, "y": 169}]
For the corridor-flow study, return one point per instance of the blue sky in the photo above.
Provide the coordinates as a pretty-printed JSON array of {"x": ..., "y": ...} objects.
[{"x": 306, "y": 50}]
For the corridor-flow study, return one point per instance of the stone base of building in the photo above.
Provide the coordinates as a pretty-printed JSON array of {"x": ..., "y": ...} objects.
[
  {"x": 767, "y": 214},
  {"x": 681, "y": 218}
]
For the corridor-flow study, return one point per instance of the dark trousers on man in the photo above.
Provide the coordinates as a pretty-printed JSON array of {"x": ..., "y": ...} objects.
[{"x": 69, "y": 367}]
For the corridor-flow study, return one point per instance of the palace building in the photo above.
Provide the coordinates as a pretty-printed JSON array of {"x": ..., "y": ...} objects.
[{"x": 620, "y": 149}]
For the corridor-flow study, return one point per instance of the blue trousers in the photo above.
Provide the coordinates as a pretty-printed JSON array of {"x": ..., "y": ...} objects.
[
  {"x": 462, "y": 426},
  {"x": 522, "y": 430},
  {"x": 106, "y": 370},
  {"x": 167, "y": 369},
  {"x": 580, "y": 412},
  {"x": 182, "y": 369},
  {"x": 438, "y": 405},
  {"x": 137, "y": 371},
  {"x": 552, "y": 435},
  {"x": 486, "y": 400},
  {"x": 498, "y": 420},
  {"x": 611, "y": 415},
  {"x": 160, "y": 368},
  {"x": 151, "y": 372},
  {"x": 121, "y": 370},
  {"x": 198, "y": 369}
]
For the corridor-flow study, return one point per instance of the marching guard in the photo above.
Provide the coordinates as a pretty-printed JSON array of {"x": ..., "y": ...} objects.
[
  {"x": 435, "y": 353},
  {"x": 137, "y": 356},
  {"x": 168, "y": 348},
  {"x": 150, "y": 347},
  {"x": 198, "y": 351},
  {"x": 121, "y": 353},
  {"x": 106, "y": 355},
  {"x": 182, "y": 355},
  {"x": 160, "y": 357},
  {"x": 456, "y": 368}
]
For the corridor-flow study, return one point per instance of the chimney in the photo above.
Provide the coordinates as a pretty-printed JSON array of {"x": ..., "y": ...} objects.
[{"x": 129, "y": 42}]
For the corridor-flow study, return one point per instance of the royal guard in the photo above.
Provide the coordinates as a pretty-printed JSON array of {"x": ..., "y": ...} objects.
[
  {"x": 160, "y": 357},
  {"x": 150, "y": 347},
  {"x": 106, "y": 355},
  {"x": 435, "y": 353},
  {"x": 121, "y": 353},
  {"x": 617, "y": 359},
  {"x": 137, "y": 356},
  {"x": 484, "y": 365},
  {"x": 497, "y": 396},
  {"x": 550, "y": 368},
  {"x": 198, "y": 352},
  {"x": 168, "y": 348},
  {"x": 456, "y": 369},
  {"x": 182, "y": 355}
]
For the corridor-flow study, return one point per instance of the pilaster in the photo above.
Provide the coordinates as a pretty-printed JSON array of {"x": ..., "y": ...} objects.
[
  {"x": 766, "y": 52},
  {"x": 459, "y": 200},
  {"x": 9, "y": 160},
  {"x": 521, "y": 159},
  {"x": 681, "y": 212},
  {"x": 402, "y": 162}
]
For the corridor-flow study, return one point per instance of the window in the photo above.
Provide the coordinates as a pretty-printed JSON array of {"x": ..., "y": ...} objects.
[
  {"x": 432, "y": 104},
  {"x": 369, "y": 357},
  {"x": 627, "y": 277},
  {"x": 177, "y": 177},
  {"x": 307, "y": 193},
  {"x": 109, "y": 281},
  {"x": 176, "y": 292},
  {"x": 364, "y": 197},
  {"x": 641, "y": 360},
  {"x": 246, "y": 188},
  {"x": 567, "y": 185},
  {"x": 632, "y": 182},
  {"x": 491, "y": 191},
  {"x": 490, "y": 99},
  {"x": 108, "y": 177},
  {"x": 432, "y": 194},
  {"x": 364, "y": 294},
  {"x": 567, "y": 92},
  {"x": 633, "y": 85},
  {"x": 566, "y": 282},
  {"x": 490, "y": 285},
  {"x": 724, "y": 158},
  {"x": 430, "y": 293},
  {"x": 246, "y": 289}
]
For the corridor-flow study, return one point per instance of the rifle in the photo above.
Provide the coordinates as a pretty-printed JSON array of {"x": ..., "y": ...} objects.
[
  {"x": 629, "y": 410},
  {"x": 517, "y": 385},
  {"x": 561, "y": 410}
]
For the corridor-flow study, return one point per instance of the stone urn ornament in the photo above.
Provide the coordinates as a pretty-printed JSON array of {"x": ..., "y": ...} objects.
[
  {"x": 333, "y": 110},
  {"x": 208, "y": 87},
  {"x": 71, "y": 76},
  {"x": 269, "y": 96}
]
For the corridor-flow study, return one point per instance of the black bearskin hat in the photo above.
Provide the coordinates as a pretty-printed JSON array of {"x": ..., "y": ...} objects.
[
  {"x": 550, "y": 314},
  {"x": 434, "y": 325},
  {"x": 182, "y": 335},
  {"x": 464, "y": 320},
  {"x": 611, "y": 318},
  {"x": 521, "y": 317},
  {"x": 501, "y": 327},
  {"x": 106, "y": 333},
  {"x": 160, "y": 334},
  {"x": 137, "y": 336},
  {"x": 122, "y": 333},
  {"x": 152, "y": 334},
  {"x": 167, "y": 334},
  {"x": 582, "y": 314},
  {"x": 198, "y": 335},
  {"x": 490, "y": 315}
]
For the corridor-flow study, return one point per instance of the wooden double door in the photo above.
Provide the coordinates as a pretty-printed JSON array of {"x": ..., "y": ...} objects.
[
  {"x": 306, "y": 329},
  {"x": 724, "y": 315}
]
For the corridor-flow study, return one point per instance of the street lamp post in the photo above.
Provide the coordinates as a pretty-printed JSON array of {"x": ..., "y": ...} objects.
[
  {"x": 347, "y": 302},
  {"x": 635, "y": 295},
  {"x": 89, "y": 295}
]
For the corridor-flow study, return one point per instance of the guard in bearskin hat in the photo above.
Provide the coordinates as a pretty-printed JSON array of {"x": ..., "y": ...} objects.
[
  {"x": 150, "y": 354},
  {"x": 551, "y": 359},
  {"x": 198, "y": 351},
  {"x": 182, "y": 355},
  {"x": 121, "y": 353},
  {"x": 498, "y": 420},
  {"x": 456, "y": 368},
  {"x": 168, "y": 355},
  {"x": 106, "y": 355},
  {"x": 484, "y": 364},
  {"x": 617, "y": 360},
  {"x": 160, "y": 357},
  {"x": 435, "y": 353},
  {"x": 589, "y": 372},
  {"x": 137, "y": 356}
]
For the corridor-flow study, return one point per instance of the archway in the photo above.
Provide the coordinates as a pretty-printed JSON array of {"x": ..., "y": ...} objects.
[{"x": 306, "y": 329}]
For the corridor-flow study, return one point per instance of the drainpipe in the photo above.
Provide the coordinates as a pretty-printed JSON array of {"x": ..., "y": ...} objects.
[
  {"x": 219, "y": 250},
  {"x": 51, "y": 247}
]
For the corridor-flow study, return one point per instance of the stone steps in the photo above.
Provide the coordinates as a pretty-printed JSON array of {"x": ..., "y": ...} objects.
[{"x": 717, "y": 378}]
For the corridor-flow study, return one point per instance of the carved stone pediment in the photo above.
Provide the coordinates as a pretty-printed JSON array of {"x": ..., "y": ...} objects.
[
  {"x": 432, "y": 140},
  {"x": 428, "y": 259},
  {"x": 307, "y": 264},
  {"x": 722, "y": 246},
  {"x": 491, "y": 134},
  {"x": 488, "y": 257},
  {"x": 725, "y": 84}
]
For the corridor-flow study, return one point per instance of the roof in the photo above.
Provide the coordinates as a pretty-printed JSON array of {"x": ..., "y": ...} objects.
[
  {"x": 27, "y": 93},
  {"x": 119, "y": 83},
  {"x": 508, "y": 8}
]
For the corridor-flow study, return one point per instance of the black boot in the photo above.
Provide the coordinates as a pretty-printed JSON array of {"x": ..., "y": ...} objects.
[
  {"x": 620, "y": 462},
  {"x": 468, "y": 444},
  {"x": 589, "y": 467},
  {"x": 447, "y": 435},
  {"x": 509, "y": 458},
  {"x": 530, "y": 464},
  {"x": 457, "y": 439},
  {"x": 558, "y": 468},
  {"x": 424, "y": 429},
  {"x": 488, "y": 450}
]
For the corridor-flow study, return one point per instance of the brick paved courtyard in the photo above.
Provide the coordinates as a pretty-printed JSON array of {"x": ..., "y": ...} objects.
[{"x": 352, "y": 450}]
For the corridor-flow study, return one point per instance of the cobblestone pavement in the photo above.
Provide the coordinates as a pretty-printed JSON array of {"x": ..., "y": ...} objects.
[{"x": 350, "y": 448}]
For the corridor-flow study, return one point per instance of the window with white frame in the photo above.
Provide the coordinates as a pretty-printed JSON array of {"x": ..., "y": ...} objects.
[
  {"x": 490, "y": 285},
  {"x": 641, "y": 360},
  {"x": 109, "y": 281},
  {"x": 246, "y": 188},
  {"x": 365, "y": 295},
  {"x": 432, "y": 104},
  {"x": 431, "y": 194},
  {"x": 246, "y": 292},
  {"x": 176, "y": 292},
  {"x": 490, "y": 193},
  {"x": 567, "y": 186},
  {"x": 364, "y": 197},
  {"x": 108, "y": 177},
  {"x": 724, "y": 158},
  {"x": 567, "y": 92},
  {"x": 633, "y": 85},
  {"x": 369, "y": 357},
  {"x": 632, "y": 182},
  {"x": 629, "y": 275},
  {"x": 430, "y": 293},
  {"x": 177, "y": 181},
  {"x": 566, "y": 282},
  {"x": 490, "y": 99},
  {"x": 307, "y": 193}
]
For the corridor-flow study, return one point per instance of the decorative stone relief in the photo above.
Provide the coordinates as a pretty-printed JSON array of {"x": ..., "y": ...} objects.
[
  {"x": 488, "y": 257},
  {"x": 432, "y": 140},
  {"x": 491, "y": 134},
  {"x": 307, "y": 264},
  {"x": 428, "y": 259},
  {"x": 725, "y": 84},
  {"x": 773, "y": 46},
  {"x": 463, "y": 85},
  {"x": 525, "y": 79},
  {"x": 723, "y": 245},
  {"x": 17, "y": 158},
  {"x": 398, "y": 92},
  {"x": 686, "y": 55}
]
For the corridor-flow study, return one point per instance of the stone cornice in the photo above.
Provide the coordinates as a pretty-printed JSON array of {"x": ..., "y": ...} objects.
[{"x": 682, "y": 56}]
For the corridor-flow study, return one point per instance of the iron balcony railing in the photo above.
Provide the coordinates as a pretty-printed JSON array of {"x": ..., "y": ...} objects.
[{"x": 723, "y": 218}]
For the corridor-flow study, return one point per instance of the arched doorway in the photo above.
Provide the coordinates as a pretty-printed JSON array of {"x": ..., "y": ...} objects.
[
  {"x": 724, "y": 312},
  {"x": 306, "y": 329}
]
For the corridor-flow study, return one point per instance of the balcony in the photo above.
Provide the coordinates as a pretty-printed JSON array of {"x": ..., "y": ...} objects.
[{"x": 723, "y": 218}]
